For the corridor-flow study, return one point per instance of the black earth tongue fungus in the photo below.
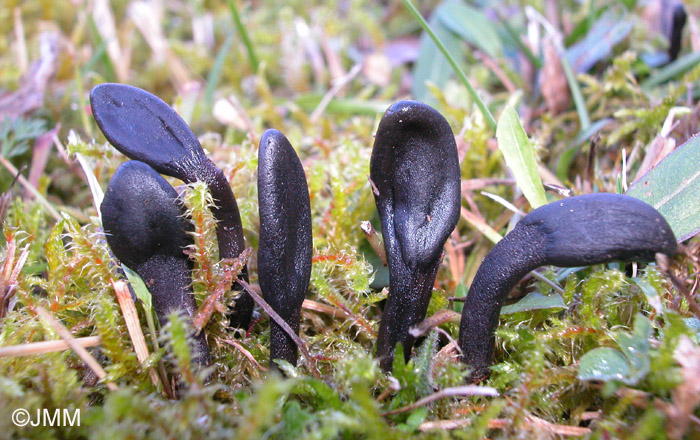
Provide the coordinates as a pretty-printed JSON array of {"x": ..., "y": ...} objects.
[
  {"x": 416, "y": 183},
  {"x": 285, "y": 244},
  {"x": 578, "y": 231},
  {"x": 145, "y": 227},
  {"x": 674, "y": 27},
  {"x": 143, "y": 127}
]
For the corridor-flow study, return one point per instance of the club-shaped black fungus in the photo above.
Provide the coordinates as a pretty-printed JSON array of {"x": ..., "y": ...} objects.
[
  {"x": 143, "y": 127},
  {"x": 285, "y": 246},
  {"x": 677, "y": 21},
  {"x": 578, "y": 231},
  {"x": 415, "y": 170},
  {"x": 145, "y": 228}
]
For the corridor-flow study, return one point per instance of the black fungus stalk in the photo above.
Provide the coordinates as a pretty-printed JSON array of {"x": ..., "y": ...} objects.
[
  {"x": 143, "y": 127},
  {"x": 578, "y": 231},
  {"x": 145, "y": 228},
  {"x": 285, "y": 246},
  {"x": 415, "y": 170}
]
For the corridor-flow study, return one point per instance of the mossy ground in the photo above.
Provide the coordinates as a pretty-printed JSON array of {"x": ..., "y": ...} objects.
[{"x": 301, "y": 47}]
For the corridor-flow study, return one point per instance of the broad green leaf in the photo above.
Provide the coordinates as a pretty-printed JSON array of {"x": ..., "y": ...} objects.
[
  {"x": 520, "y": 157},
  {"x": 431, "y": 65},
  {"x": 673, "y": 188},
  {"x": 628, "y": 366},
  {"x": 604, "y": 364},
  {"x": 139, "y": 287},
  {"x": 471, "y": 25},
  {"x": 535, "y": 301}
]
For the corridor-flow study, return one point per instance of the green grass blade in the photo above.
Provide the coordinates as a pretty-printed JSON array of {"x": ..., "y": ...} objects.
[
  {"x": 244, "y": 35},
  {"x": 520, "y": 157},
  {"x": 458, "y": 70},
  {"x": 215, "y": 72},
  {"x": 672, "y": 70}
]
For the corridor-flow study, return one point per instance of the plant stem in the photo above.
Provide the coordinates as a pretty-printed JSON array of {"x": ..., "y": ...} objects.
[
  {"x": 244, "y": 35},
  {"x": 458, "y": 70}
]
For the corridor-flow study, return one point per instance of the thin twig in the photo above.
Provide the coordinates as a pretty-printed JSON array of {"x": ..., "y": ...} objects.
[
  {"x": 374, "y": 240},
  {"x": 244, "y": 351},
  {"x": 45, "y": 347},
  {"x": 324, "y": 308},
  {"x": 663, "y": 262},
  {"x": 338, "y": 85},
  {"x": 287, "y": 329},
  {"x": 547, "y": 281},
  {"x": 463, "y": 391},
  {"x": 29, "y": 187},
  {"x": 68, "y": 338},
  {"x": 131, "y": 317},
  {"x": 440, "y": 317}
]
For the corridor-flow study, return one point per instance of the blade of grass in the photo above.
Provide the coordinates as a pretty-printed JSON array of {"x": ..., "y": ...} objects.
[
  {"x": 215, "y": 72},
  {"x": 29, "y": 187},
  {"x": 244, "y": 35},
  {"x": 579, "y": 102},
  {"x": 458, "y": 70},
  {"x": 516, "y": 38},
  {"x": 667, "y": 73}
]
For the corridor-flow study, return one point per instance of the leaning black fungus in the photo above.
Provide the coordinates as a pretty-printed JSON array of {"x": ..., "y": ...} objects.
[{"x": 578, "y": 231}]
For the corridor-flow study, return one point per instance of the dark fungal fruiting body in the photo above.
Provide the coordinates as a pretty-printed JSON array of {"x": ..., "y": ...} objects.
[
  {"x": 673, "y": 27},
  {"x": 285, "y": 242},
  {"x": 143, "y": 127},
  {"x": 578, "y": 231},
  {"x": 145, "y": 228},
  {"x": 415, "y": 170}
]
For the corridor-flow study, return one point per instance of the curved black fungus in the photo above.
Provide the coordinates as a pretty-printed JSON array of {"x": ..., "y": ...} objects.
[
  {"x": 578, "y": 231},
  {"x": 285, "y": 246},
  {"x": 145, "y": 228},
  {"x": 143, "y": 127},
  {"x": 415, "y": 170}
]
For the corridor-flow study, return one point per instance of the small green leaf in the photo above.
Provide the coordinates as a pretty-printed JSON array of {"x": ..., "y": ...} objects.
[
  {"x": 604, "y": 364},
  {"x": 416, "y": 418},
  {"x": 535, "y": 301},
  {"x": 520, "y": 157},
  {"x": 139, "y": 287},
  {"x": 673, "y": 188},
  {"x": 635, "y": 347}
]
